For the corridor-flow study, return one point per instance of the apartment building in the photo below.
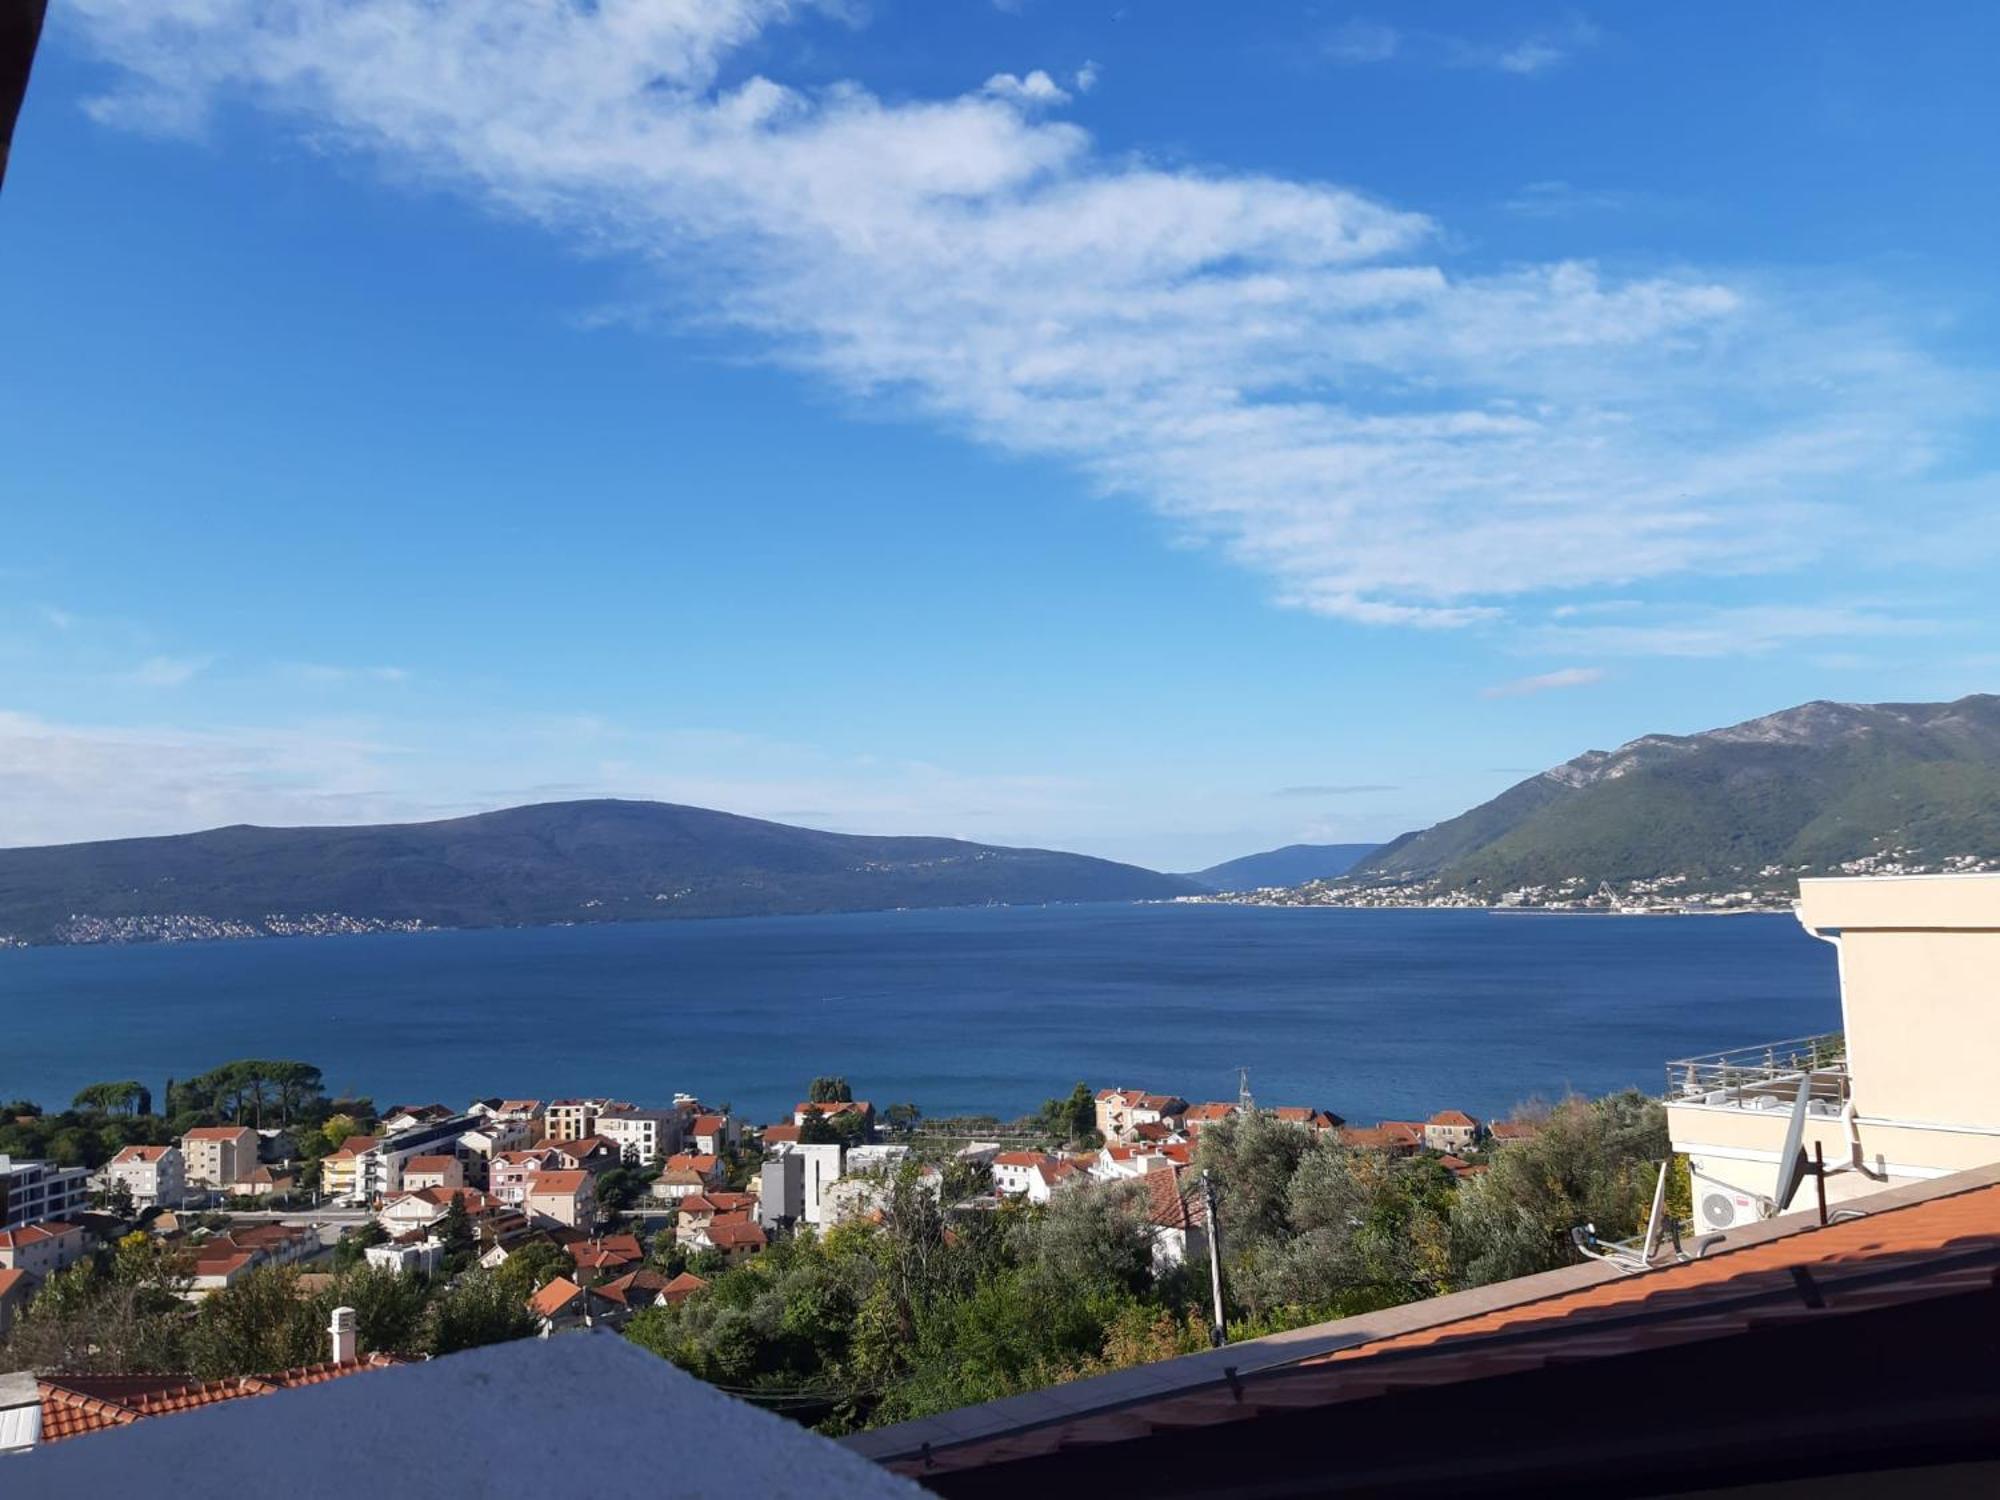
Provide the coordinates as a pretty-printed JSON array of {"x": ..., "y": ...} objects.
[
  {"x": 156, "y": 1176},
  {"x": 642, "y": 1136},
  {"x": 31, "y": 1191},
  {"x": 1907, "y": 1090},
  {"x": 219, "y": 1156}
]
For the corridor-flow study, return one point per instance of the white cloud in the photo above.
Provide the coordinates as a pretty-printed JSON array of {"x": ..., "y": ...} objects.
[
  {"x": 168, "y": 671},
  {"x": 1085, "y": 77},
  {"x": 1737, "y": 630},
  {"x": 61, "y": 782},
  {"x": 1036, "y": 88},
  {"x": 1359, "y": 42},
  {"x": 325, "y": 673},
  {"x": 1543, "y": 682},
  {"x": 1286, "y": 370}
]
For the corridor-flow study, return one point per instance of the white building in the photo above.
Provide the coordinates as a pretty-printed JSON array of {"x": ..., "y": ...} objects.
[
  {"x": 156, "y": 1176},
  {"x": 31, "y": 1191},
  {"x": 643, "y": 1136},
  {"x": 1907, "y": 1089},
  {"x": 424, "y": 1258}
]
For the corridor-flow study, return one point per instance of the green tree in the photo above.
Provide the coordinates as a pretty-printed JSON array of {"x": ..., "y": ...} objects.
[
  {"x": 532, "y": 1266},
  {"x": 338, "y": 1128},
  {"x": 347, "y": 1250},
  {"x": 390, "y": 1308},
  {"x": 829, "y": 1089},
  {"x": 1592, "y": 1162},
  {"x": 127, "y": 1097},
  {"x": 479, "y": 1308},
  {"x": 1071, "y": 1118},
  {"x": 621, "y": 1187},
  {"x": 454, "y": 1231},
  {"x": 258, "y": 1325}
]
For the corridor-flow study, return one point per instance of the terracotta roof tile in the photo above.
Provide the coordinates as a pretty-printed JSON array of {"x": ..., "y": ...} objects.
[
  {"x": 1941, "y": 1246},
  {"x": 554, "y": 1297}
]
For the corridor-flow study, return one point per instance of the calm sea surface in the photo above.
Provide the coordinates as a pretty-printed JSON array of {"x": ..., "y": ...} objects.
[{"x": 1370, "y": 1013}]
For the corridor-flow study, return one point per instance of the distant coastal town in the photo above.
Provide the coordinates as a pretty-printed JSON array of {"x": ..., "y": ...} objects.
[{"x": 1770, "y": 888}]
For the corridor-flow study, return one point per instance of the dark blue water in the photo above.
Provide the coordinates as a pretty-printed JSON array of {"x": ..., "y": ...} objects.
[{"x": 1373, "y": 1014}]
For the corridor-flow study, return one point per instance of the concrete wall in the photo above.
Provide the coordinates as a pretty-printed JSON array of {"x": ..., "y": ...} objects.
[{"x": 1920, "y": 992}]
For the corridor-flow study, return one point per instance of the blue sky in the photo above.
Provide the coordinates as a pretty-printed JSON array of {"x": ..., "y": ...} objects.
[{"x": 1158, "y": 429}]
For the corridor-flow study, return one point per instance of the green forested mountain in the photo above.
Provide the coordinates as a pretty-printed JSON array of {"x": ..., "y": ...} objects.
[
  {"x": 1291, "y": 865},
  {"x": 1806, "y": 790},
  {"x": 558, "y": 862}
]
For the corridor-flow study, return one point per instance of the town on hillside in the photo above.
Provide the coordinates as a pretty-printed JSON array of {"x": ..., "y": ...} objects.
[{"x": 616, "y": 1206}]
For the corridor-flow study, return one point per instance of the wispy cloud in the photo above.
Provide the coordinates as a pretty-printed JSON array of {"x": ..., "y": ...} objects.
[
  {"x": 326, "y": 673},
  {"x": 168, "y": 671},
  {"x": 1287, "y": 370},
  {"x": 1543, "y": 682},
  {"x": 1359, "y": 41},
  {"x": 1553, "y": 198},
  {"x": 1333, "y": 791},
  {"x": 1736, "y": 630}
]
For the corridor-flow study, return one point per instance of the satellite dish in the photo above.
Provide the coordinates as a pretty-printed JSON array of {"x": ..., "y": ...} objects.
[{"x": 1792, "y": 1163}]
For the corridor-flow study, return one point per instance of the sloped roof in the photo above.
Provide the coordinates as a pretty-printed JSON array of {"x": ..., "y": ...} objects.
[
  {"x": 554, "y": 1297},
  {"x": 140, "y": 1153},
  {"x": 76, "y": 1404},
  {"x": 1945, "y": 1245}
]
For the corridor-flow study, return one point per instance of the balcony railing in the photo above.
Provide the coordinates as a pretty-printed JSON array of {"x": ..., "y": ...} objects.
[{"x": 1765, "y": 1076}]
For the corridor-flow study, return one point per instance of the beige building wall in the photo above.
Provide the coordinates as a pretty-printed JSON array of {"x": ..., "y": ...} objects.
[{"x": 1920, "y": 1006}]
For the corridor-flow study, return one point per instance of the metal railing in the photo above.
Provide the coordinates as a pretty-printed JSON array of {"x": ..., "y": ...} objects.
[{"x": 1748, "y": 1076}]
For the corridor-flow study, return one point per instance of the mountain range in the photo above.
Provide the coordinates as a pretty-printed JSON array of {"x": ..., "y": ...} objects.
[
  {"x": 1294, "y": 864},
  {"x": 1820, "y": 788},
  {"x": 596, "y": 861}
]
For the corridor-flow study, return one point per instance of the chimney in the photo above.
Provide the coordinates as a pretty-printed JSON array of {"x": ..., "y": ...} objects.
[{"x": 346, "y": 1347}]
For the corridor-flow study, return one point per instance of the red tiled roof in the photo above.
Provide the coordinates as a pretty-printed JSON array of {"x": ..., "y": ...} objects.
[
  {"x": 1209, "y": 1113},
  {"x": 1941, "y": 1246},
  {"x": 23, "y": 1235},
  {"x": 1513, "y": 1130},
  {"x": 1022, "y": 1159},
  {"x": 1452, "y": 1117},
  {"x": 692, "y": 1162},
  {"x": 216, "y": 1132},
  {"x": 141, "y": 1153},
  {"x": 557, "y": 1182},
  {"x": 76, "y": 1404},
  {"x": 354, "y": 1145},
  {"x": 682, "y": 1287},
  {"x": 708, "y": 1124},
  {"x": 554, "y": 1297},
  {"x": 642, "y": 1285},
  {"x": 1168, "y": 1206},
  {"x": 11, "y": 1281},
  {"x": 775, "y": 1135},
  {"x": 733, "y": 1233},
  {"x": 430, "y": 1164}
]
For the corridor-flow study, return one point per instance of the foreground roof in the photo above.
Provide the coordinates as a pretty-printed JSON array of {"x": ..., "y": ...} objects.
[
  {"x": 521, "y": 1419},
  {"x": 76, "y": 1404},
  {"x": 1914, "y": 1278}
]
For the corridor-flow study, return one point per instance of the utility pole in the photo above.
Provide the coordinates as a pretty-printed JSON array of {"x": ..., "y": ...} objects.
[{"x": 1218, "y": 1330}]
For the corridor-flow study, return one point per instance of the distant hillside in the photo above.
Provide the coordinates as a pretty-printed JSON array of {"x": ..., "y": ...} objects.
[
  {"x": 1811, "y": 789},
  {"x": 1292, "y": 865},
  {"x": 558, "y": 862}
]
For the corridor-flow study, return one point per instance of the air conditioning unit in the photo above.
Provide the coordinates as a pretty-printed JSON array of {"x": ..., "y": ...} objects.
[{"x": 1725, "y": 1210}]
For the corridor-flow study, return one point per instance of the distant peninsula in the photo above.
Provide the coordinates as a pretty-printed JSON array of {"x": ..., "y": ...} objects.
[{"x": 559, "y": 862}]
